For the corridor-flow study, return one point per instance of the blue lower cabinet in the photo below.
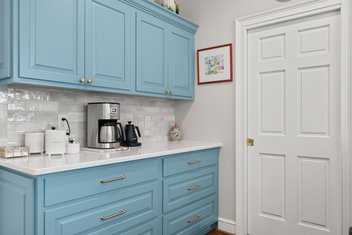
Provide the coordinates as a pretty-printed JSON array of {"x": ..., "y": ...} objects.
[
  {"x": 107, "y": 213},
  {"x": 129, "y": 198},
  {"x": 97, "y": 180},
  {"x": 188, "y": 188},
  {"x": 191, "y": 219},
  {"x": 16, "y": 204},
  {"x": 149, "y": 228}
]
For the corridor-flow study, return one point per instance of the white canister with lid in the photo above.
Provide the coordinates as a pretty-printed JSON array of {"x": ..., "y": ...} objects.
[
  {"x": 35, "y": 142},
  {"x": 55, "y": 142}
]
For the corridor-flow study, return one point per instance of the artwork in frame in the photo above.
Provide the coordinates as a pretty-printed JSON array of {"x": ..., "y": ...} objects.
[{"x": 215, "y": 64}]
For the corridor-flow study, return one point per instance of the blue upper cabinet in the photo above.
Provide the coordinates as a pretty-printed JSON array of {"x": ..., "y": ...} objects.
[
  {"x": 108, "y": 44},
  {"x": 52, "y": 40},
  {"x": 123, "y": 46},
  {"x": 5, "y": 37},
  {"x": 181, "y": 63},
  {"x": 151, "y": 54},
  {"x": 165, "y": 58}
]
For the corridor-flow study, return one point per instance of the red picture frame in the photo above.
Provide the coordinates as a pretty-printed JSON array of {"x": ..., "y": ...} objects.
[{"x": 215, "y": 64}]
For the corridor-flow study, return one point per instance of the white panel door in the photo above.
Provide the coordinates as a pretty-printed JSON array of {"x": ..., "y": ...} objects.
[{"x": 294, "y": 118}]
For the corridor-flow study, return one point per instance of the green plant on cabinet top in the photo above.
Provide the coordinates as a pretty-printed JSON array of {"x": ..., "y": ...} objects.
[{"x": 120, "y": 46}]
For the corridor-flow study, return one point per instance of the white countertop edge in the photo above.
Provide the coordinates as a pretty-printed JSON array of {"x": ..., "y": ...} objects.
[{"x": 83, "y": 165}]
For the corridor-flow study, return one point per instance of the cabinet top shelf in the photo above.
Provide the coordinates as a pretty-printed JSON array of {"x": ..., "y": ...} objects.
[{"x": 164, "y": 14}]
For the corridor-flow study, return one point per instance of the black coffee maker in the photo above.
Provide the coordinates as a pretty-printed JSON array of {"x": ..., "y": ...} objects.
[{"x": 130, "y": 138}]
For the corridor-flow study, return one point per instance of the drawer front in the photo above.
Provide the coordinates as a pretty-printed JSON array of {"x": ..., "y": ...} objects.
[
  {"x": 150, "y": 228},
  {"x": 77, "y": 184},
  {"x": 191, "y": 219},
  {"x": 189, "y": 187},
  {"x": 190, "y": 161},
  {"x": 107, "y": 213}
]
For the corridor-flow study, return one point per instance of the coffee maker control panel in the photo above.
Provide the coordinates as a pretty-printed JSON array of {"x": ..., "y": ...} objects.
[{"x": 111, "y": 111}]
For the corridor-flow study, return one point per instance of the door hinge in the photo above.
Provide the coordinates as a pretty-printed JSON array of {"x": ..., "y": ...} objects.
[{"x": 250, "y": 142}]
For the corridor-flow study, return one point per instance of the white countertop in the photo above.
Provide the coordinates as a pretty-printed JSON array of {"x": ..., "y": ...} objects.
[{"x": 42, "y": 164}]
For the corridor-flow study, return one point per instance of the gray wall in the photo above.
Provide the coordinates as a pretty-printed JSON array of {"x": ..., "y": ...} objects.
[
  {"x": 25, "y": 109},
  {"x": 212, "y": 115}
]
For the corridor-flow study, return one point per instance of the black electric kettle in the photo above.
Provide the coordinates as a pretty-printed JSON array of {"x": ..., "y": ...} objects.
[{"x": 131, "y": 139}]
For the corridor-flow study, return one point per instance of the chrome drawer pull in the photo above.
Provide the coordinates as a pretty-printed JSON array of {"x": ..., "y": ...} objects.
[
  {"x": 121, "y": 177},
  {"x": 195, "y": 187},
  {"x": 195, "y": 219},
  {"x": 122, "y": 211},
  {"x": 194, "y": 162}
]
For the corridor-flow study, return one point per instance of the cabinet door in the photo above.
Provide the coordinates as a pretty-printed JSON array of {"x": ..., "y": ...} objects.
[
  {"x": 52, "y": 40},
  {"x": 109, "y": 213},
  {"x": 108, "y": 44},
  {"x": 17, "y": 204},
  {"x": 181, "y": 67},
  {"x": 151, "y": 54},
  {"x": 5, "y": 45}
]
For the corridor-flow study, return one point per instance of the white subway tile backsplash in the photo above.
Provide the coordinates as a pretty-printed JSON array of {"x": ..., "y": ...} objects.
[
  {"x": 3, "y": 113},
  {"x": 24, "y": 109},
  {"x": 16, "y": 104},
  {"x": 35, "y": 105}
]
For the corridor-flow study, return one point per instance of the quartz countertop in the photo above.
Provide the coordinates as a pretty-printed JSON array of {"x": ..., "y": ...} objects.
[{"x": 43, "y": 164}]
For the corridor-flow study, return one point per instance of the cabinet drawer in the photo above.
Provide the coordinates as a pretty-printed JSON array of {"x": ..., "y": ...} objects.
[
  {"x": 106, "y": 213},
  {"x": 189, "y": 187},
  {"x": 191, "y": 219},
  {"x": 190, "y": 161},
  {"x": 150, "y": 228},
  {"x": 65, "y": 187}
]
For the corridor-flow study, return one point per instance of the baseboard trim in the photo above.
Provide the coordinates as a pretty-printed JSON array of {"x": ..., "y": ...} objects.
[{"x": 227, "y": 225}]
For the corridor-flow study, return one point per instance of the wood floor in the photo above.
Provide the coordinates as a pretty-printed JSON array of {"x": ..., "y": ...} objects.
[{"x": 218, "y": 232}]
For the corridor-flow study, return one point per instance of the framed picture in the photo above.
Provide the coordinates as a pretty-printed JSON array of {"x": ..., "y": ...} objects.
[{"x": 215, "y": 64}]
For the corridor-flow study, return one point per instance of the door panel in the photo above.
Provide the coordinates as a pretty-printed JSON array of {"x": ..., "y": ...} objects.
[
  {"x": 17, "y": 204},
  {"x": 181, "y": 57},
  {"x": 5, "y": 38},
  {"x": 52, "y": 40},
  {"x": 151, "y": 54},
  {"x": 294, "y": 100},
  {"x": 108, "y": 44}
]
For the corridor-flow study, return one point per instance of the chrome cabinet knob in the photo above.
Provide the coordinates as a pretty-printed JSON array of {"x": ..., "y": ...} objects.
[
  {"x": 90, "y": 81},
  {"x": 82, "y": 80},
  {"x": 167, "y": 91},
  {"x": 171, "y": 91}
]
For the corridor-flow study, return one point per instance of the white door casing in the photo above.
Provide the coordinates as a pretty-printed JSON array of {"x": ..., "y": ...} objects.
[
  {"x": 247, "y": 24},
  {"x": 294, "y": 118}
]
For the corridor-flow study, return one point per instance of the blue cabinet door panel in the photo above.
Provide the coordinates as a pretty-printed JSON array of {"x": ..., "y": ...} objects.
[
  {"x": 89, "y": 181},
  {"x": 184, "y": 162},
  {"x": 191, "y": 219},
  {"x": 151, "y": 54},
  {"x": 5, "y": 38},
  {"x": 52, "y": 40},
  {"x": 16, "y": 204},
  {"x": 120, "y": 209},
  {"x": 150, "y": 228},
  {"x": 189, "y": 187},
  {"x": 108, "y": 44},
  {"x": 182, "y": 56}
]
